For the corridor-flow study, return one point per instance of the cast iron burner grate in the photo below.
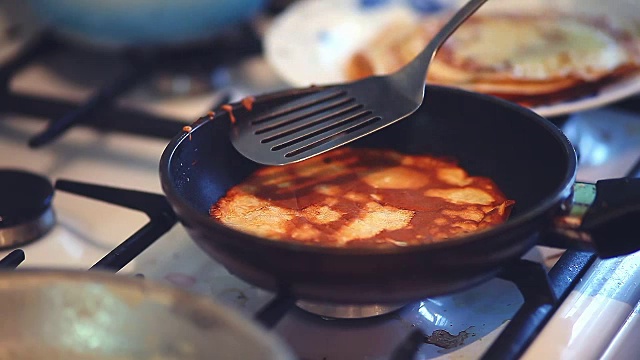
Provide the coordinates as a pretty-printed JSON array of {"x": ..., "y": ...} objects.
[
  {"x": 12, "y": 260},
  {"x": 543, "y": 293},
  {"x": 100, "y": 110}
]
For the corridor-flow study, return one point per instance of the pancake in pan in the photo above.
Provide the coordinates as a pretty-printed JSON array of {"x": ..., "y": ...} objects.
[{"x": 363, "y": 198}]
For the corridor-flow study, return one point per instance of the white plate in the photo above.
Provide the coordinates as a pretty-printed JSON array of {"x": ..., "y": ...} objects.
[{"x": 311, "y": 41}]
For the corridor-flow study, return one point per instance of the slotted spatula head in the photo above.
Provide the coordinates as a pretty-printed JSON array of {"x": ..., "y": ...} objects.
[
  {"x": 336, "y": 115},
  {"x": 318, "y": 122}
]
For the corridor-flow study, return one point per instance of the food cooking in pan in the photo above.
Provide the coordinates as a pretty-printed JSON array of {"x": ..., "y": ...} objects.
[
  {"x": 530, "y": 59},
  {"x": 358, "y": 197}
]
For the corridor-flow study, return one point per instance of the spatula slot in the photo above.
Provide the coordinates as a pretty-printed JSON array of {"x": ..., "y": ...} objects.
[
  {"x": 332, "y": 137},
  {"x": 336, "y": 107}
]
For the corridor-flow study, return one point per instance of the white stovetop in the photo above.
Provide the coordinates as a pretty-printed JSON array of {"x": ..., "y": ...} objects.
[{"x": 88, "y": 229}]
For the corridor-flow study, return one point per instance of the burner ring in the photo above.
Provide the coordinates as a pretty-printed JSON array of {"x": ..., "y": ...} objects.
[
  {"x": 347, "y": 311},
  {"x": 25, "y": 207}
]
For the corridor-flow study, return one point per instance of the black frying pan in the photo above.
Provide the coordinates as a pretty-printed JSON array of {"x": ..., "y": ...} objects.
[{"x": 528, "y": 157}]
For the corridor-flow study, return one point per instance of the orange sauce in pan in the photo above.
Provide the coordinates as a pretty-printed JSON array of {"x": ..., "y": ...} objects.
[
  {"x": 229, "y": 109},
  {"x": 248, "y": 102}
]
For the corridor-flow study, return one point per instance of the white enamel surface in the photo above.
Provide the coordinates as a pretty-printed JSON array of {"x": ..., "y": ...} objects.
[
  {"x": 88, "y": 229},
  {"x": 625, "y": 344},
  {"x": 593, "y": 313},
  {"x": 311, "y": 42},
  {"x": 609, "y": 142}
]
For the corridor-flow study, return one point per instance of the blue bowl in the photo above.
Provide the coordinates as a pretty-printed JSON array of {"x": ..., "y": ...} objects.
[{"x": 117, "y": 23}]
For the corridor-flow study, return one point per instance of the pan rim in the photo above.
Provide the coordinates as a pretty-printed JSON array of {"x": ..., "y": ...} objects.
[{"x": 554, "y": 198}]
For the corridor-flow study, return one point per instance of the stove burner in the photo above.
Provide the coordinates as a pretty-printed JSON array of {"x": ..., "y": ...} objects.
[
  {"x": 345, "y": 311},
  {"x": 25, "y": 207}
]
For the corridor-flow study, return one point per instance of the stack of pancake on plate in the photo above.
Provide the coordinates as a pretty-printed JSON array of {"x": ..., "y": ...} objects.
[{"x": 530, "y": 59}]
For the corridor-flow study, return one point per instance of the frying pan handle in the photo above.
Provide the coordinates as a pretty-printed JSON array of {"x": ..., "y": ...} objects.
[
  {"x": 613, "y": 220},
  {"x": 604, "y": 216}
]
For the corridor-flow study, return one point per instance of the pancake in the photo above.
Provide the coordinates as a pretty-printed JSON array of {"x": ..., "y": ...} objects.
[
  {"x": 507, "y": 55},
  {"x": 352, "y": 197}
]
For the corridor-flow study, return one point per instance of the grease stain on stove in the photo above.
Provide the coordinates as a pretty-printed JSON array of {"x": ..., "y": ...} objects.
[
  {"x": 236, "y": 295},
  {"x": 446, "y": 340}
]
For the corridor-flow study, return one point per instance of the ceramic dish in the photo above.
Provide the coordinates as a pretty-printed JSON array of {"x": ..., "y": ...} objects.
[{"x": 311, "y": 41}]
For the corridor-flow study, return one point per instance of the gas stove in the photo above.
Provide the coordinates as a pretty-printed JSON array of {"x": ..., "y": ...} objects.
[{"x": 93, "y": 130}]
